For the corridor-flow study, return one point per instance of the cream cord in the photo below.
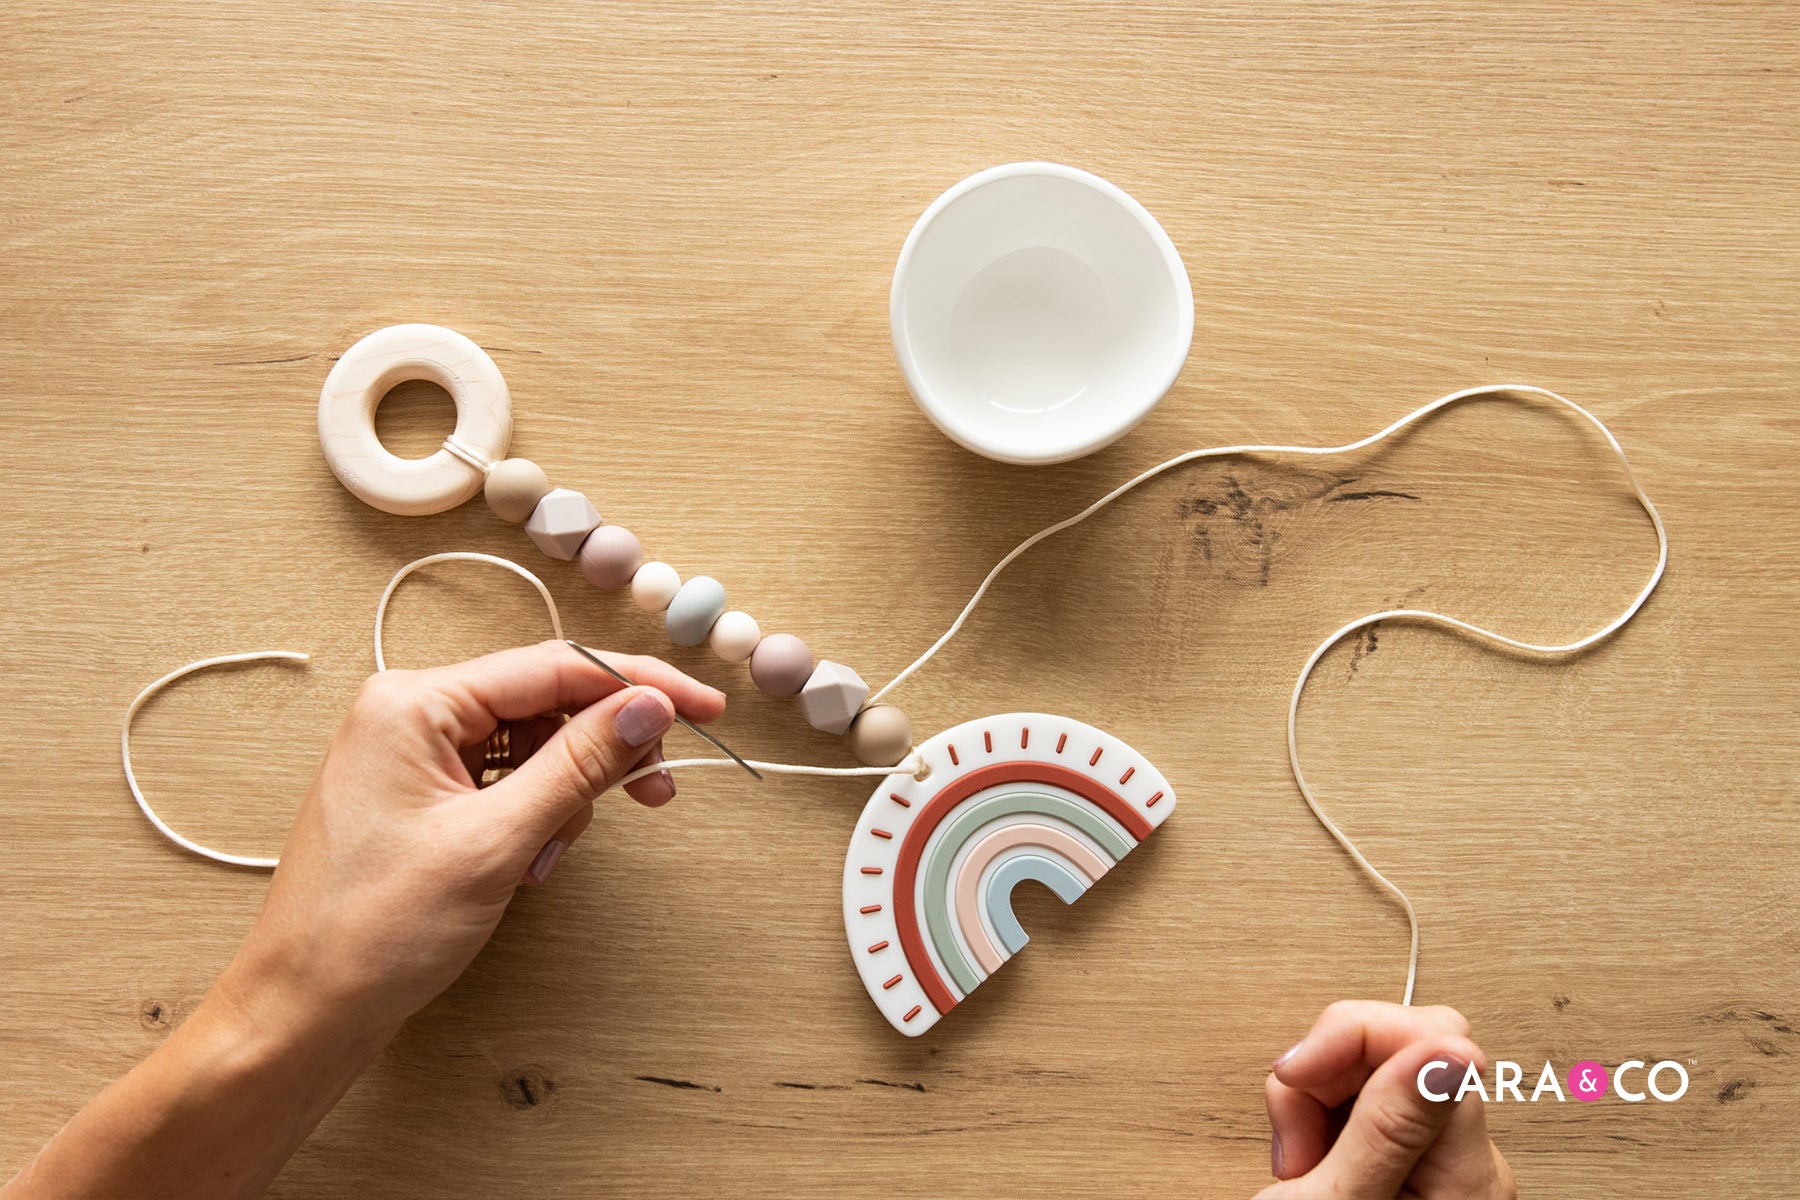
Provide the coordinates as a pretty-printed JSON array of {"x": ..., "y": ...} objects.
[
  {"x": 236, "y": 860},
  {"x": 907, "y": 764},
  {"x": 1422, "y": 616}
]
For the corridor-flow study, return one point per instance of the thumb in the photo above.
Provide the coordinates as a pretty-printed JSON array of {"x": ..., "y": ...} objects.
[
  {"x": 1391, "y": 1125},
  {"x": 592, "y": 750}
]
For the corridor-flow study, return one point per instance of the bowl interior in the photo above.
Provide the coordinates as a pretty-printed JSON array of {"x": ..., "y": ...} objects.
[{"x": 1042, "y": 316}]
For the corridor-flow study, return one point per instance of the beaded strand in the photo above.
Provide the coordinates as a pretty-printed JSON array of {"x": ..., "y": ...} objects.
[{"x": 565, "y": 525}]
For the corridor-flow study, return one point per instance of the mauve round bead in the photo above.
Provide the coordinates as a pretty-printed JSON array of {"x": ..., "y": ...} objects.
[
  {"x": 781, "y": 665},
  {"x": 610, "y": 556}
]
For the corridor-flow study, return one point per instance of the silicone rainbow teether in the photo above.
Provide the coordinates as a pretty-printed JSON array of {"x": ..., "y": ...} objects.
[{"x": 929, "y": 877}]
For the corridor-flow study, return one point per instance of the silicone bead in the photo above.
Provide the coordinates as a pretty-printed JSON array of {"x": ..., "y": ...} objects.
[
  {"x": 611, "y": 556},
  {"x": 781, "y": 665},
  {"x": 513, "y": 488},
  {"x": 880, "y": 736},
  {"x": 561, "y": 521},
  {"x": 699, "y": 603},
  {"x": 831, "y": 697},
  {"x": 654, "y": 585},
  {"x": 735, "y": 635}
]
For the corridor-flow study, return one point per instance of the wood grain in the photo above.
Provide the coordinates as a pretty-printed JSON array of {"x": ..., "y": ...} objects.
[{"x": 673, "y": 225}]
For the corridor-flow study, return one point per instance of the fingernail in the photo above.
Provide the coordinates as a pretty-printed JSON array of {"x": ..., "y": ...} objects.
[
  {"x": 1275, "y": 1155},
  {"x": 644, "y": 718},
  {"x": 1287, "y": 1054},
  {"x": 1450, "y": 1077},
  {"x": 547, "y": 858}
]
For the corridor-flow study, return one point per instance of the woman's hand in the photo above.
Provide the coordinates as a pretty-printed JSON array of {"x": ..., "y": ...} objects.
[
  {"x": 398, "y": 868},
  {"x": 1366, "y": 1056},
  {"x": 394, "y": 876}
]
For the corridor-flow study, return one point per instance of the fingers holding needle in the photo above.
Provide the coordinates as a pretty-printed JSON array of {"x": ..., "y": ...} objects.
[{"x": 689, "y": 725}]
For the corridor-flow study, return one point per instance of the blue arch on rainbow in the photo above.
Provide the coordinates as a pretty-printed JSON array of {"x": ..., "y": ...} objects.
[{"x": 1064, "y": 838}]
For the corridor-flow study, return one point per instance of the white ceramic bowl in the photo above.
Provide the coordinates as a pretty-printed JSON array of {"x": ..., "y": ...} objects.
[{"x": 1039, "y": 312}]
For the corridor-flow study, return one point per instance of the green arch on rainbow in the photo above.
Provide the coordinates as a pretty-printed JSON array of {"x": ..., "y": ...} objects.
[{"x": 940, "y": 808}]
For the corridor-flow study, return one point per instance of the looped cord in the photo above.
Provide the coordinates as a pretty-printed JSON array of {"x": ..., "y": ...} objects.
[
  {"x": 908, "y": 764},
  {"x": 495, "y": 560},
  {"x": 468, "y": 454},
  {"x": 143, "y": 697},
  {"x": 1422, "y": 616}
]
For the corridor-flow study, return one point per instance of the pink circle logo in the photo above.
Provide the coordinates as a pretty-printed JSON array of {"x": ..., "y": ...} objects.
[{"x": 1587, "y": 1080}]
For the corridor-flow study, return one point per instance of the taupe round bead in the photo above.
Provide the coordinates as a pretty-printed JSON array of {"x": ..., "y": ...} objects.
[
  {"x": 513, "y": 488},
  {"x": 610, "y": 556},
  {"x": 781, "y": 665},
  {"x": 880, "y": 736}
]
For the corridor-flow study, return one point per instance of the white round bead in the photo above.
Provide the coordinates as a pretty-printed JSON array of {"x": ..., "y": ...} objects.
[
  {"x": 654, "y": 585},
  {"x": 735, "y": 635}
]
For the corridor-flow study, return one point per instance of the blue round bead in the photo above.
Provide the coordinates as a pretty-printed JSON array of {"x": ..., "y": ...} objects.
[{"x": 694, "y": 610}]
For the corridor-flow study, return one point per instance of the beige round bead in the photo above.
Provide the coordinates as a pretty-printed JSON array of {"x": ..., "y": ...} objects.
[
  {"x": 513, "y": 488},
  {"x": 880, "y": 736}
]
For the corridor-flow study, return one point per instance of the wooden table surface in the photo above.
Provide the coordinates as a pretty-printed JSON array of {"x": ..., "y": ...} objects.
[{"x": 673, "y": 227}]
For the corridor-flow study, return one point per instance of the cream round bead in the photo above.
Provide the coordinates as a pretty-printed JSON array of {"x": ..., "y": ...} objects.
[
  {"x": 735, "y": 635},
  {"x": 513, "y": 488},
  {"x": 880, "y": 736},
  {"x": 654, "y": 585}
]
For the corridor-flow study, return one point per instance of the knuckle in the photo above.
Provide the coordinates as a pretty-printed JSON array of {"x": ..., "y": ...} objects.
[
  {"x": 1399, "y": 1128},
  {"x": 1451, "y": 1019},
  {"x": 387, "y": 692},
  {"x": 590, "y": 758}
]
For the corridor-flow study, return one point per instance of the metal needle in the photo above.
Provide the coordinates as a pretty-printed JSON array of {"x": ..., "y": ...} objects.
[{"x": 689, "y": 725}]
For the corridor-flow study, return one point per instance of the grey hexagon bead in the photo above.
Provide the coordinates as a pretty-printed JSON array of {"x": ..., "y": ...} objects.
[
  {"x": 561, "y": 522},
  {"x": 699, "y": 603},
  {"x": 831, "y": 697}
]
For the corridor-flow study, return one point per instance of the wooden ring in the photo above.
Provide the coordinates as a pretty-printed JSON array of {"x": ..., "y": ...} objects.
[{"x": 412, "y": 487}]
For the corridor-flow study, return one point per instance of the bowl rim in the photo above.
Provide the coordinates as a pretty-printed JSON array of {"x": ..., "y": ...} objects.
[{"x": 1083, "y": 441}]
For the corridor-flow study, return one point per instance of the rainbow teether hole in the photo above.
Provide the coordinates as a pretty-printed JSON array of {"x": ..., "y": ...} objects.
[{"x": 929, "y": 877}]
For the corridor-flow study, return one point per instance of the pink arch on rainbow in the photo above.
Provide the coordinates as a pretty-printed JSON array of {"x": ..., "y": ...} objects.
[
  {"x": 906, "y": 870},
  {"x": 968, "y": 904}
]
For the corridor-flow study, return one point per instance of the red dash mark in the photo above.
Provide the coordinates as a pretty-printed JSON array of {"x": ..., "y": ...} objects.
[
  {"x": 1024, "y": 737},
  {"x": 911, "y": 1013},
  {"x": 878, "y": 946},
  {"x": 871, "y": 870},
  {"x": 897, "y": 798},
  {"x": 954, "y": 761},
  {"x": 882, "y": 833},
  {"x": 1151, "y": 802},
  {"x": 987, "y": 740},
  {"x": 870, "y": 908},
  {"x": 1129, "y": 772},
  {"x": 1096, "y": 757},
  {"x": 890, "y": 983},
  {"x": 1061, "y": 742}
]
